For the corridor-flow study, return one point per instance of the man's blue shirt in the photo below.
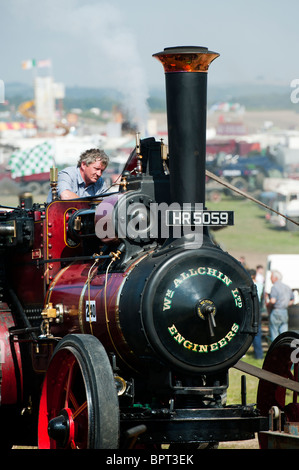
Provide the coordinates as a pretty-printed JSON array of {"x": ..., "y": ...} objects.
[{"x": 282, "y": 293}]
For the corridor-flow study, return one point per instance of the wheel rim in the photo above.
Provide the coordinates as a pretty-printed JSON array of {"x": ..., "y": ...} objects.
[
  {"x": 74, "y": 410},
  {"x": 279, "y": 361}
]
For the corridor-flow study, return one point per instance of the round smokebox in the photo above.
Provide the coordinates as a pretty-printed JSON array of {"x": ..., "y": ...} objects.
[{"x": 198, "y": 310}]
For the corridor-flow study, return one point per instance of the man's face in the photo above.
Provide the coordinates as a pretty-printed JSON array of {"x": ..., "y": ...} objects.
[{"x": 92, "y": 172}]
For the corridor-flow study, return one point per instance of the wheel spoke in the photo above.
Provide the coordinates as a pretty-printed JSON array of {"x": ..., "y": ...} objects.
[
  {"x": 72, "y": 400},
  {"x": 296, "y": 378},
  {"x": 69, "y": 383},
  {"x": 80, "y": 410},
  {"x": 73, "y": 445}
]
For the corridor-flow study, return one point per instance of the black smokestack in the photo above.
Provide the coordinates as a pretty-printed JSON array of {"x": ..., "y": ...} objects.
[{"x": 186, "y": 97}]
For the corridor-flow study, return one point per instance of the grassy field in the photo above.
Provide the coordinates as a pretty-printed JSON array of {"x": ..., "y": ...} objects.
[
  {"x": 252, "y": 235},
  {"x": 234, "y": 397},
  {"x": 234, "y": 390}
]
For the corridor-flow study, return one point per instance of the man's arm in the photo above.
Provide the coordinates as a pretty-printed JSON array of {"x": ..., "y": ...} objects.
[
  {"x": 66, "y": 183},
  {"x": 270, "y": 302},
  {"x": 67, "y": 194}
]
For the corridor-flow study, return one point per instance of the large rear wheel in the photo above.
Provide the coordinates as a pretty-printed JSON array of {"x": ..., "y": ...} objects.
[
  {"x": 281, "y": 359},
  {"x": 79, "y": 403}
]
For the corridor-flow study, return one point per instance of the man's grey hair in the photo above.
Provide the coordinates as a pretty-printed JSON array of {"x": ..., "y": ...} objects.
[
  {"x": 92, "y": 155},
  {"x": 277, "y": 274}
]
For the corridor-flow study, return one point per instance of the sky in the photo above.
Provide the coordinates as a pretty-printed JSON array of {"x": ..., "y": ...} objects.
[{"x": 99, "y": 43}]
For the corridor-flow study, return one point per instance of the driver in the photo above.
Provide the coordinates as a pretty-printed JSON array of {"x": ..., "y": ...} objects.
[{"x": 85, "y": 179}]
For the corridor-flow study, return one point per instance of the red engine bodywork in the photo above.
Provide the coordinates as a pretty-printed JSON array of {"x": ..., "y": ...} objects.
[
  {"x": 30, "y": 274},
  {"x": 10, "y": 364}
]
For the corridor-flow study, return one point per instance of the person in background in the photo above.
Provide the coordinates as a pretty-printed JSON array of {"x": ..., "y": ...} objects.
[
  {"x": 85, "y": 179},
  {"x": 260, "y": 274},
  {"x": 257, "y": 342},
  {"x": 280, "y": 298},
  {"x": 243, "y": 262}
]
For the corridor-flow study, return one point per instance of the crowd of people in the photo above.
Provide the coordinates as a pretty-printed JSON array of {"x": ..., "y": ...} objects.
[{"x": 275, "y": 303}]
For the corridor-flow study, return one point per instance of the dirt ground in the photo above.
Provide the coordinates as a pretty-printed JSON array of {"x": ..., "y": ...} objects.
[
  {"x": 250, "y": 444},
  {"x": 246, "y": 445}
]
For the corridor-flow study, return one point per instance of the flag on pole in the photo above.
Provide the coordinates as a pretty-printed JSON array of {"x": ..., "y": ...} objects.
[
  {"x": 38, "y": 159},
  {"x": 28, "y": 64},
  {"x": 44, "y": 63}
]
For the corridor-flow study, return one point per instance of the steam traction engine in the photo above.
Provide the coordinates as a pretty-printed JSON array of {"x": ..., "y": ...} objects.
[{"x": 117, "y": 328}]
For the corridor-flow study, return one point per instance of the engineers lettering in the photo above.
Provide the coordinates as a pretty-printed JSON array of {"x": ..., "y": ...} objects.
[{"x": 203, "y": 348}]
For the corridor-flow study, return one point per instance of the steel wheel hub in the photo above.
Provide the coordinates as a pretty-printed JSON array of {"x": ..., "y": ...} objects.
[{"x": 61, "y": 428}]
